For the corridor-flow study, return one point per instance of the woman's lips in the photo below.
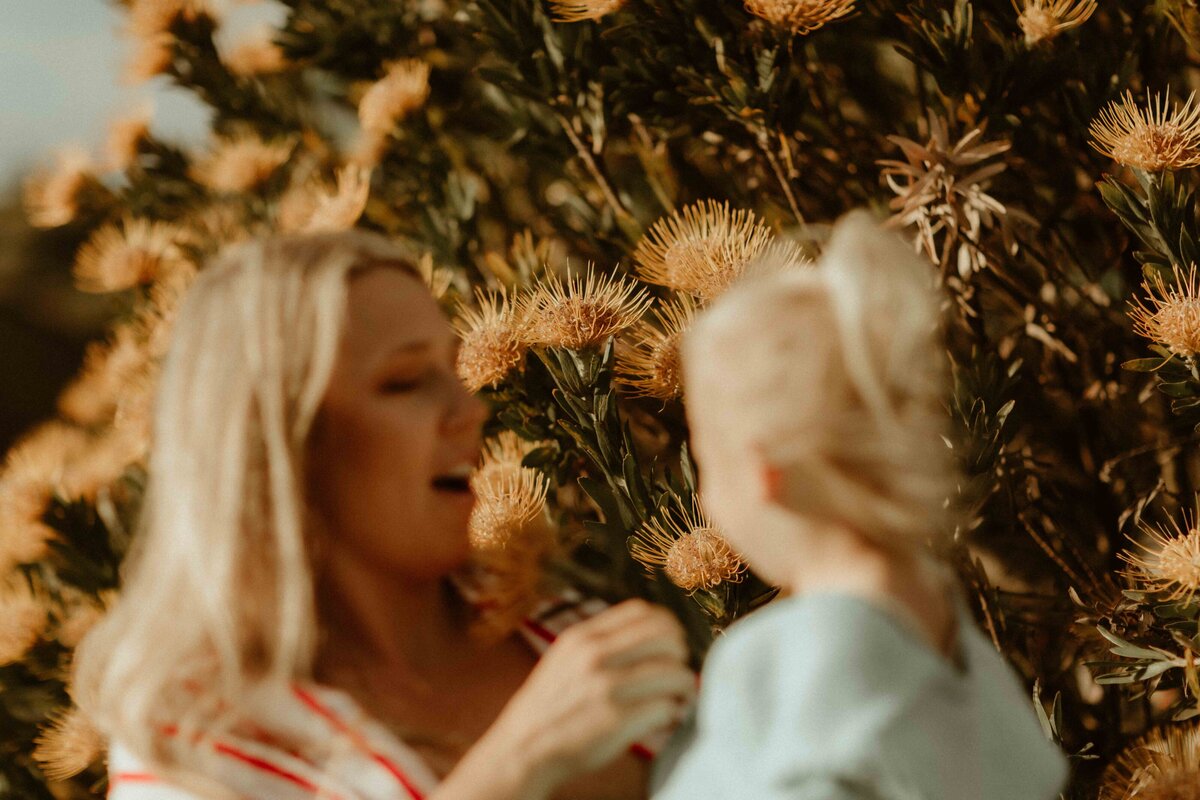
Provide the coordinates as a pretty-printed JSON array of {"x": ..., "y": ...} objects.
[{"x": 452, "y": 483}]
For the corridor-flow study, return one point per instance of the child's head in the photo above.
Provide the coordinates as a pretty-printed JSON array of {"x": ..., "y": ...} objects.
[{"x": 820, "y": 393}]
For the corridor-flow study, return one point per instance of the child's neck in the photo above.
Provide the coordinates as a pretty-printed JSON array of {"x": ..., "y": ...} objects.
[{"x": 909, "y": 585}]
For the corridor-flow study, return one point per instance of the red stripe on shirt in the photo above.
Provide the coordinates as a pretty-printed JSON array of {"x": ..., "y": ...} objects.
[
  {"x": 540, "y": 631},
  {"x": 128, "y": 777},
  {"x": 266, "y": 766},
  {"x": 360, "y": 741},
  {"x": 250, "y": 760}
]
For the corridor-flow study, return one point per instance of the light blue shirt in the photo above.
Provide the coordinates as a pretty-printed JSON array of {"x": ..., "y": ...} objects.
[{"x": 829, "y": 697}]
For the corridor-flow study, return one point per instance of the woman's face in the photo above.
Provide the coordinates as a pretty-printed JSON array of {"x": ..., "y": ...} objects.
[{"x": 397, "y": 432}]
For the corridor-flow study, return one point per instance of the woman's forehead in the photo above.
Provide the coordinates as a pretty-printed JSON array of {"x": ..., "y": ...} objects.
[{"x": 390, "y": 308}]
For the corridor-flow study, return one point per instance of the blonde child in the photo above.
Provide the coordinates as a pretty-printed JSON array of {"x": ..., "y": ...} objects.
[{"x": 816, "y": 405}]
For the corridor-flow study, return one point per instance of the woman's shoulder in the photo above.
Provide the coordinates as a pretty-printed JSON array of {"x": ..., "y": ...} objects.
[
  {"x": 290, "y": 743},
  {"x": 130, "y": 778}
]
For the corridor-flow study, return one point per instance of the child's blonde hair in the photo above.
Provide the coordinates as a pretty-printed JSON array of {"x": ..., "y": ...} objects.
[
  {"x": 218, "y": 590},
  {"x": 834, "y": 374}
]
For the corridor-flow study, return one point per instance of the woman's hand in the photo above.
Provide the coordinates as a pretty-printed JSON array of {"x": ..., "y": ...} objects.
[{"x": 604, "y": 684}]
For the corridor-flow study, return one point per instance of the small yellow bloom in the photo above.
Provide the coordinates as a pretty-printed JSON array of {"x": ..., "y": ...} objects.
[
  {"x": 503, "y": 454},
  {"x": 23, "y": 618},
  {"x": 581, "y": 10},
  {"x": 493, "y": 340},
  {"x": 316, "y": 207},
  {"x": 1159, "y": 137},
  {"x": 24, "y": 537},
  {"x": 583, "y": 311},
  {"x": 241, "y": 163},
  {"x": 52, "y": 195},
  {"x": 800, "y": 16},
  {"x": 132, "y": 253},
  {"x": 1041, "y": 20},
  {"x": 68, "y": 745},
  {"x": 693, "y": 554},
  {"x": 402, "y": 90},
  {"x": 256, "y": 54},
  {"x": 125, "y": 136},
  {"x": 92, "y": 398},
  {"x": 1162, "y": 765},
  {"x": 1170, "y": 315},
  {"x": 1170, "y": 561},
  {"x": 704, "y": 248},
  {"x": 149, "y": 26},
  {"x": 506, "y": 501},
  {"x": 648, "y": 359}
]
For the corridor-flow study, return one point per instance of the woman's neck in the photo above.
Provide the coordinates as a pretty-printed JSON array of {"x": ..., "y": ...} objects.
[{"x": 375, "y": 621}]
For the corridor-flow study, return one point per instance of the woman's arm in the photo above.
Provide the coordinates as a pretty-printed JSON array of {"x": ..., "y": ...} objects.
[{"x": 604, "y": 684}]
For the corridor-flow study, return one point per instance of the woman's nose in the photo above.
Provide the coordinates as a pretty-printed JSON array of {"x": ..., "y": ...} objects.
[{"x": 467, "y": 411}]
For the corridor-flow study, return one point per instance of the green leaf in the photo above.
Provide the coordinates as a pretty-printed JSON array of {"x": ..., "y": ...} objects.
[
  {"x": 1128, "y": 649},
  {"x": 1145, "y": 364},
  {"x": 1178, "y": 389}
]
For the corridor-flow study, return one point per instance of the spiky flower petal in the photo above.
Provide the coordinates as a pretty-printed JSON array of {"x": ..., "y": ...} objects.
[
  {"x": 314, "y": 206},
  {"x": 92, "y": 398},
  {"x": 800, "y": 16},
  {"x": 68, "y": 745},
  {"x": 241, "y": 162},
  {"x": 1170, "y": 561},
  {"x": 1162, "y": 765},
  {"x": 506, "y": 501},
  {"x": 693, "y": 554},
  {"x": 125, "y": 136},
  {"x": 1170, "y": 314},
  {"x": 702, "y": 249},
  {"x": 24, "y": 536},
  {"x": 122, "y": 256},
  {"x": 1159, "y": 137},
  {"x": 648, "y": 359},
  {"x": 149, "y": 26},
  {"x": 579, "y": 312},
  {"x": 52, "y": 195},
  {"x": 23, "y": 618},
  {"x": 581, "y": 10},
  {"x": 503, "y": 454},
  {"x": 256, "y": 54},
  {"x": 401, "y": 91},
  {"x": 1041, "y": 20},
  {"x": 493, "y": 337}
]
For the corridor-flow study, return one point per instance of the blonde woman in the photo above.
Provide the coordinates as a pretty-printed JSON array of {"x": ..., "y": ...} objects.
[
  {"x": 285, "y": 629},
  {"x": 868, "y": 680}
]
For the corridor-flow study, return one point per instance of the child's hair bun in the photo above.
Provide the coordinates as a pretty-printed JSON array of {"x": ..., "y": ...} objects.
[
  {"x": 886, "y": 312},
  {"x": 837, "y": 374}
]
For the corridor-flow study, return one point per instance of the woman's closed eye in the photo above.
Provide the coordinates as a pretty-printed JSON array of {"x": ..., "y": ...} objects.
[{"x": 402, "y": 383}]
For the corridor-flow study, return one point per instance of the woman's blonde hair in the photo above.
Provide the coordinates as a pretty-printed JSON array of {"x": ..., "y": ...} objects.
[
  {"x": 835, "y": 374},
  {"x": 218, "y": 590}
]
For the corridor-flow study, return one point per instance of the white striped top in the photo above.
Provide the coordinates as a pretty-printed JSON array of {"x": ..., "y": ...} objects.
[{"x": 308, "y": 741}]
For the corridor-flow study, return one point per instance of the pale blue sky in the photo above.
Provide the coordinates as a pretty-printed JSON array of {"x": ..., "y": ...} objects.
[{"x": 60, "y": 64}]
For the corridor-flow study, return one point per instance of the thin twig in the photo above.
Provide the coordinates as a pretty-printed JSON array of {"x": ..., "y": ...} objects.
[
  {"x": 784, "y": 182},
  {"x": 586, "y": 156}
]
